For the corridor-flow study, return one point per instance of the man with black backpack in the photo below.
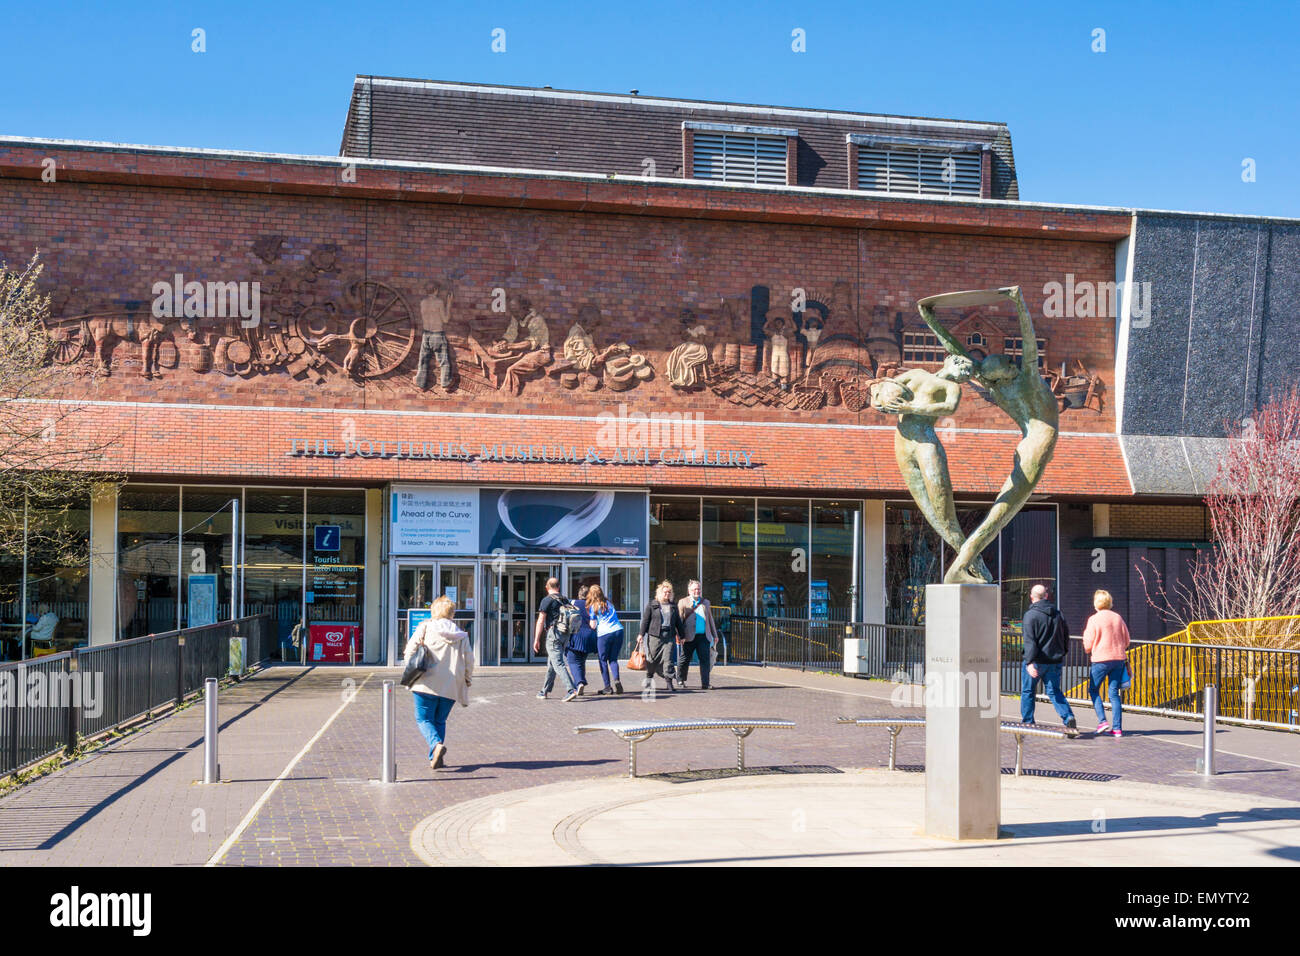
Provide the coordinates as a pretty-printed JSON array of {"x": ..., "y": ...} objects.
[
  {"x": 557, "y": 621},
  {"x": 1047, "y": 638}
]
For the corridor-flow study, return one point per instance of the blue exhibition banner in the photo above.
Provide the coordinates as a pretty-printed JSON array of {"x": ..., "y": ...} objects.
[{"x": 414, "y": 617}]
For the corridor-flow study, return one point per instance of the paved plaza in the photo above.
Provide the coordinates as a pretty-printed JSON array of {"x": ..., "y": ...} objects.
[{"x": 300, "y": 757}]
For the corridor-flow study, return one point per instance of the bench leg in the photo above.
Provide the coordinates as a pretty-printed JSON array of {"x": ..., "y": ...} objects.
[
  {"x": 631, "y": 751},
  {"x": 1020, "y": 752},
  {"x": 741, "y": 733}
]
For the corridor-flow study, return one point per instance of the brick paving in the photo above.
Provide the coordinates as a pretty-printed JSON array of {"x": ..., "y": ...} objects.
[{"x": 136, "y": 802}]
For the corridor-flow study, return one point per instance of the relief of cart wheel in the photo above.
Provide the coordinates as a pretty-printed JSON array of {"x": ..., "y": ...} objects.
[
  {"x": 69, "y": 338},
  {"x": 375, "y": 321}
]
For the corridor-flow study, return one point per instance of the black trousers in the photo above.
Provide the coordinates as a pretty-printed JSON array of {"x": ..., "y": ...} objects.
[{"x": 700, "y": 648}]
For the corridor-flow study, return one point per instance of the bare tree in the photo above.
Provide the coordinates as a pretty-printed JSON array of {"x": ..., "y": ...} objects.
[
  {"x": 1252, "y": 569},
  {"x": 49, "y": 466}
]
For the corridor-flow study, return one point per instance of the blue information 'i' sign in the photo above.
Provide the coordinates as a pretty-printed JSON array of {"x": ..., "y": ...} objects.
[{"x": 327, "y": 537}]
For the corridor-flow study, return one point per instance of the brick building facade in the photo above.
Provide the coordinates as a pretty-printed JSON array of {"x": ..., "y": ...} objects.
[{"x": 687, "y": 343}]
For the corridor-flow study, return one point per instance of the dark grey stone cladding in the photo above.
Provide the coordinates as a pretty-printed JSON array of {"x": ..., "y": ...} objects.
[
  {"x": 1223, "y": 327},
  {"x": 507, "y": 127}
]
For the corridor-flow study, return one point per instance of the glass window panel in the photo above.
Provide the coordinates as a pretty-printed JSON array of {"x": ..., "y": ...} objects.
[
  {"x": 782, "y": 541},
  {"x": 728, "y": 579},
  {"x": 674, "y": 541},
  {"x": 273, "y": 550},
  {"x": 58, "y": 584},
  {"x": 336, "y": 571},
  {"x": 148, "y": 553},
  {"x": 836, "y": 531},
  {"x": 207, "y": 546},
  {"x": 1028, "y": 558},
  {"x": 913, "y": 559}
]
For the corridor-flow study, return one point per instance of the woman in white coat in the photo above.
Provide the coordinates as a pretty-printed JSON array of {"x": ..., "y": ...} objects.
[{"x": 446, "y": 681}]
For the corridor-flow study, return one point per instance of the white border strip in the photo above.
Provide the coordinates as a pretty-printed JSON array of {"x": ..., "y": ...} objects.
[{"x": 188, "y": 406}]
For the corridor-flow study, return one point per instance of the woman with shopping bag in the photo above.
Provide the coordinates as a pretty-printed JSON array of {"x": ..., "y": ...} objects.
[
  {"x": 440, "y": 665},
  {"x": 661, "y": 629},
  {"x": 1106, "y": 639}
]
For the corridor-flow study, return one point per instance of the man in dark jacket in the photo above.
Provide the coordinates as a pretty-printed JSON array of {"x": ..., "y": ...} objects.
[{"x": 1047, "y": 638}]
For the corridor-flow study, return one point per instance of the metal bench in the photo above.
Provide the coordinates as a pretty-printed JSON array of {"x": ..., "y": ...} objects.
[
  {"x": 635, "y": 731},
  {"x": 895, "y": 726},
  {"x": 1028, "y": 730}
]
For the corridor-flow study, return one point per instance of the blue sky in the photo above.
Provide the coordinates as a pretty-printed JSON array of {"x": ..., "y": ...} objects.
[{"x": 1164, "y": 118}]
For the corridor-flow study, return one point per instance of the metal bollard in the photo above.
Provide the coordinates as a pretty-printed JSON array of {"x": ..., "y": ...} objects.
[
  {"x": 1211, "y": 714},
  {"x": 388, "y": 770},
  {"x": 352, "y": 651},
  {"x": 211, "y": 769}
]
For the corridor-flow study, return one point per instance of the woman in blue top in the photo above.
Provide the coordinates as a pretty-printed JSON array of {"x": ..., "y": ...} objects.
[
  {"x": 582, "y": 643},
  {"x": 609, "y": 637}
]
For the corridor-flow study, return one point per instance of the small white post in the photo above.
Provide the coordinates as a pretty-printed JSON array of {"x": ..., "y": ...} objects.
[
  {"x": 211, "y": 769},
  {"x": 388, "y": 770},
  {"x": 1211, "y": 715}
]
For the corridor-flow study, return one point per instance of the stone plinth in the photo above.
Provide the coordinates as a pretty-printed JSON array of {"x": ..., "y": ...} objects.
[{"x": 962, "y": 766}]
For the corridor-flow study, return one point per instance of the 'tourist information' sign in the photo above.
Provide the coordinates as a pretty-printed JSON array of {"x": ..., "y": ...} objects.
[{"x": 435, "y": 519}]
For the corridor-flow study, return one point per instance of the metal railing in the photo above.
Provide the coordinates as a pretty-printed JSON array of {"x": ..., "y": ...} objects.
[
  {"x": 1255, "y": 685},
  {"x": 48, "y": 703}
]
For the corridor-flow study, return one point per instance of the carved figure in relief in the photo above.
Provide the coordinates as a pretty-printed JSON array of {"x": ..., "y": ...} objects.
[
  {"x": 435, "y": 313},
  {"x": 580, "y": 348},
  {"x": 778, "y": 347},
  {"x": 520, "y": 353},
  {"x": 687, "y": 364}
]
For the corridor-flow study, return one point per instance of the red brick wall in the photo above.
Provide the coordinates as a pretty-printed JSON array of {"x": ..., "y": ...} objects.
[{"x": 105, "y": 245}]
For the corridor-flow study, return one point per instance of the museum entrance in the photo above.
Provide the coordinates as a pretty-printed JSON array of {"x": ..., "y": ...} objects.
[
  {"x": 418, "y": 582},
  {"x": 514, "y": 592}
]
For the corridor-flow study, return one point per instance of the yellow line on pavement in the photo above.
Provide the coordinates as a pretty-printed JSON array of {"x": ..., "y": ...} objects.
[{"x": 261, "y": 801}]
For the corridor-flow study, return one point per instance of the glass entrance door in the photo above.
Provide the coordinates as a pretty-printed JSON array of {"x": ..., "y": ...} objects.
[
  {"x": 415, "y": 592},
  {"x": 511, "y": 613},
  {"x": 457, "y": 582}
]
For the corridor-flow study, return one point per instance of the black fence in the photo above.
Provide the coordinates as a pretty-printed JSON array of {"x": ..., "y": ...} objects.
[
  {"x": 1260, "y": 685},
  {"x": 47, "y": 702}
]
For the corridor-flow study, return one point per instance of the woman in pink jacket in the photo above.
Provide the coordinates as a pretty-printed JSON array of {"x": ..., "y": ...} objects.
[{"x": 1106, "y": 640}]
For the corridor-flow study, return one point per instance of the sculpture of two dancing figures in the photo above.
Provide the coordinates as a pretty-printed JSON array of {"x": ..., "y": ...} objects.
[{"x": 920, "y": 398}]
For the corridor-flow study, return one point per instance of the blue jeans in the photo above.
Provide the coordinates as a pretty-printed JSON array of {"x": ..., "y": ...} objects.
[
  {"x": 577, "y": 665},
  {"x": 555, "y": 648},
  {"x": 1112, "y": 672},
  {"x": 431, "y": 717},
  {"x": 608, "y": 647},
  {"x": 1050, "y": 675}
]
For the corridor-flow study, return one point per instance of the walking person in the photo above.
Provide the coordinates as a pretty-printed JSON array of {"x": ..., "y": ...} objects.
[
  {"x": 609, "y": 637},
  {"x": 1047, "y": 638},
  {"x": 548, "y": 617},
  {"x": 1106, "y": 639},
  {"x": 582, "y": 643},
  {"x": 446, "y": 681},
  {"x": 661, "y": 626},
  {"x": 699, "y": 635}
]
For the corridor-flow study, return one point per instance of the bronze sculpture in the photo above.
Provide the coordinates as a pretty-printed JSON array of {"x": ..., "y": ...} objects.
[{"x": 1019, "y": 390}]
